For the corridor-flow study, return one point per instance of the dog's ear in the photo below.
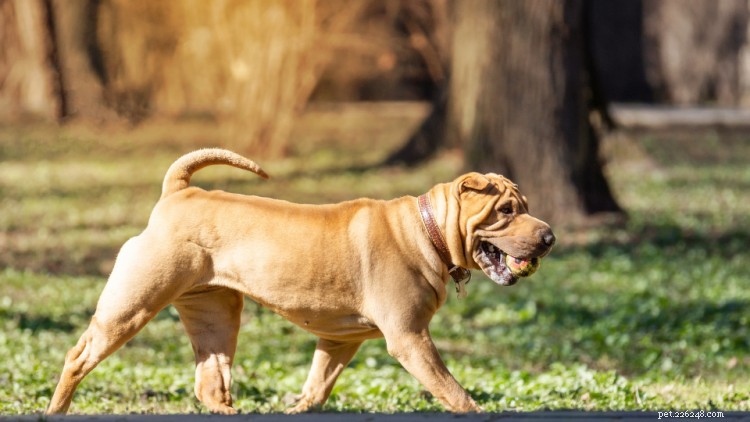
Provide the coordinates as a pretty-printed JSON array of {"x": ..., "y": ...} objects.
[{"x": 475, "y": 182}]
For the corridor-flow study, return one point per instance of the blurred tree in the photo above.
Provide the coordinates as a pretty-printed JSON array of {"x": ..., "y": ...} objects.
[
  {"x": 616, "y": 37},
  {"x": 49, "y": 59},
  {"x": 698, "y": 51},
  {"x": 79, "y": 59},
  {"x": 29, "y": 83},
  {"x": 393, "y": 51},
  {"x": 519, "y": 100},
  {"x": 434, "y": 47},
  {"x": 251, "y": 65}
]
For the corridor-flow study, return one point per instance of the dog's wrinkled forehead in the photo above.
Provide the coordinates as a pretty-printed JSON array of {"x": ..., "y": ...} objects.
[
  {"x": 502, "y": 181},
  {"x": 507, "y": 187},
  {"x": 494, "y": 186}
]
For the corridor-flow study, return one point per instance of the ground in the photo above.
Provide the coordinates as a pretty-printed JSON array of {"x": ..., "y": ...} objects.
[{"x": 648, "y": 314}]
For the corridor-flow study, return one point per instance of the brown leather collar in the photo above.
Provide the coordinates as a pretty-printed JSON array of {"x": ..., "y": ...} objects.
[{"x": 459, "y": 274}]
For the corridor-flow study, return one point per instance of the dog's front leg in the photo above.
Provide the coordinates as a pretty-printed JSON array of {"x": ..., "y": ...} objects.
[
  {"x": 329, "y": 360},
  {"x": 417, "y": 353}
]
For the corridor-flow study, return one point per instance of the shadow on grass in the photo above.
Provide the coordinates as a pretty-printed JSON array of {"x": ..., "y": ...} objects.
[
  {"x": 679, "y": 320},
  {"x": 667, "y": 239},
  {"x": 92, "y": 260},
  {"x": 640, "y": 336},
  {"x": 36, "y": 323}
]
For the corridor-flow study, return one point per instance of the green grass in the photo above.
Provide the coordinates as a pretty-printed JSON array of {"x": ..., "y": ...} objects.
[{"x": 650, "y": 314}]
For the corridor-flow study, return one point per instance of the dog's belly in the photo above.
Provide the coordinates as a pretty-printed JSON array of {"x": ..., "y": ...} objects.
[
  {"x": 339, "y": 328},
  {"x": 323, "y": 313},
  {"x": 329, "y": 309}
]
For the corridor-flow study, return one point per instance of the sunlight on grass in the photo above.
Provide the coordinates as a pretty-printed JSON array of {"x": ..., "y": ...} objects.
[{"x": 650, "y": 314}]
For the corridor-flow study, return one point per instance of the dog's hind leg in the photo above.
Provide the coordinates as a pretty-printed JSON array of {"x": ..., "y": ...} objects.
[
  {"x": 136, "y": 291},
  {"x": 329, "y": 360},
  {"x": 211, "y": 317}
]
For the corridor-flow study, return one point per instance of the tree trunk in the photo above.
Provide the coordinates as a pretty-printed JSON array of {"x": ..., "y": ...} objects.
[
  {"x": 433, "y": 46},
  {"x": 519, "y": 100},
  {"x": 615, "y": 36},
  {"x": 75, "y": 36},
  {"x": 28, "y": 71},
  {"x": 695, "y": 48}
]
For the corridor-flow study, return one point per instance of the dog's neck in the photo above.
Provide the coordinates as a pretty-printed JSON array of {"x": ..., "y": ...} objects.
[{"x": 460, "y": 275}]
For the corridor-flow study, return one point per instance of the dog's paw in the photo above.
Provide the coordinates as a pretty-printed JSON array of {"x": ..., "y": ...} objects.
[
  {"x": 223, "y": 409},
  {"x": 304, "y": 405},
  {"x": 466, "y": 406},
  {"x": 300, "y": 407}
]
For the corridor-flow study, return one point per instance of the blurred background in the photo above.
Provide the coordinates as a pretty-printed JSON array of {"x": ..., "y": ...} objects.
[
  {"x": 523, "y": 89},
  {"x": 625, "y": 122}
]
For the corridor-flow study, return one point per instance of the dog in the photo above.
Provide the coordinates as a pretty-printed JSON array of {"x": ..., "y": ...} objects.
[{"x": 345, "y": 272}]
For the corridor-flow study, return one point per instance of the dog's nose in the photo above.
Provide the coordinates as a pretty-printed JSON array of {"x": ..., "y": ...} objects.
[{"x": 549, "y": 238}]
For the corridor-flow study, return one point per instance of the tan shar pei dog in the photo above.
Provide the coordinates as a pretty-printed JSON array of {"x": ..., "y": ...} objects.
[{"x": 347, "y": 272}]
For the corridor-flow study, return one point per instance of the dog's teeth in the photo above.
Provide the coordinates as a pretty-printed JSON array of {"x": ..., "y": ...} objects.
[{"x": 492, "y": 248}]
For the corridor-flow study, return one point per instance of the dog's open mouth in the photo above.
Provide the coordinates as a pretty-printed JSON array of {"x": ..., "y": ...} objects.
[{"x": 502, "y": 268}]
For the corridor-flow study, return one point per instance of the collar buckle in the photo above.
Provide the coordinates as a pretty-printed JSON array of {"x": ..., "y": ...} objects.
[{"x": 460, "y": 274}]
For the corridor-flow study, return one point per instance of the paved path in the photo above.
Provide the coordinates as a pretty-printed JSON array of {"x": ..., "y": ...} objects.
[{"x": 556, "y": 416}]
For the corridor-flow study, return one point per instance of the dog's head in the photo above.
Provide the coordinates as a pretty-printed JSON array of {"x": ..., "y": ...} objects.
[{"x": 496, "y": 232}]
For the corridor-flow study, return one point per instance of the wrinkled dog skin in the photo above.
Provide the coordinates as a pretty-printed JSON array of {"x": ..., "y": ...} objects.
[{"x": 346, "y": 272}]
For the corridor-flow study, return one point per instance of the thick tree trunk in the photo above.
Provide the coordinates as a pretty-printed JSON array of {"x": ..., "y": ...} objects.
[
  {"x": 519, "y": 100},
  {"x": 615, "y": 36}
]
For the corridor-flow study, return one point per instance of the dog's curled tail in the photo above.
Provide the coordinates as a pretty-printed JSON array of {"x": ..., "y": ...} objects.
[{"x": 178, "y": 175}]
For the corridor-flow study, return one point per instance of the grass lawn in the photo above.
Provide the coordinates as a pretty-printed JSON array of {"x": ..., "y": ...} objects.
[{"x": 650, "y": 314}]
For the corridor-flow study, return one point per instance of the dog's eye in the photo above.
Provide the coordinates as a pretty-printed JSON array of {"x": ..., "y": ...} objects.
[{"x": 507, "y": 210}]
